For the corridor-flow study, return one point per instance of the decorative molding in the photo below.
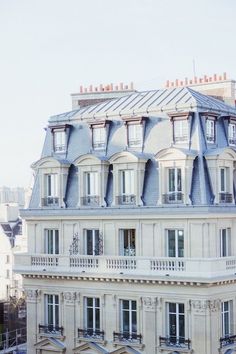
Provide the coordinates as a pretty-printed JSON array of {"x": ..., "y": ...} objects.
[
  {"x": 149, "y": 302},
  {"x": 32, "y": 295},
  {"x": 203, "y": 305}
]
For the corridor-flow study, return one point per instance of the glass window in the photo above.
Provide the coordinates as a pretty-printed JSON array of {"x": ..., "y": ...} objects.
[
  {"x": 176, "y": 323},
  {"x": 127, "y": 182},
  {"x": 52, "y": 310},
  {"x": 180, "y": 130},
  {"x": 175, "y": 182},
  {"x": 135, "y": 135},
  {"x": 99, "y": 138},
  {"x": 175, "y": 243},
  {"x": 225, "y": 242},
  {"x": 227, "y": 318},
  {"x": 59, "y": 140},
  {"x": 92, "y": 313},
  {"x": 128, "y": 317},
  {"x": 210, "y": 130},
  {"x": 51, "y": 241},
  {"x": 51, "y": 185},
  {"x": 232, "y": 133},
  {"x": 91, "y": 183},
  {"x": 127, "y": 242},
  {"x": 93, "y": 243}
]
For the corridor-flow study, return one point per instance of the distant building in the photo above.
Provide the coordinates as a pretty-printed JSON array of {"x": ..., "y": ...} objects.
[
  {"x": 218, "y": 86},
  {"x": 131, "y": 226},
  {"x": 12, "y": 195}
]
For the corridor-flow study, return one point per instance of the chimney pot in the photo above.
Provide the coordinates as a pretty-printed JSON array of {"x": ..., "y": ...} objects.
[
  {"x": 81, "y": 89},
  {"x": 190, "y": 82},
  {"x": 177, "y": 82},
  {"x": 220, "y": 77},
  {"x": 181, "y": 83},
  {"x": 172, "y": 84},
  {"x": 91, "y": 88},
  {"x": 195, "y": 79},
  {"x": 85, "y": 89},
  {"x": 210, "y": 79},
  {"x": 167, "y": 83},
  {"x": 215, "y": 77},
  {"x": 225, "y": 76},
  {"x": 121, "y": 86},
  {"x": 186, "y": 81},
  {"x": 131, "y": 85},
  {"x": 111, "y": 86}
]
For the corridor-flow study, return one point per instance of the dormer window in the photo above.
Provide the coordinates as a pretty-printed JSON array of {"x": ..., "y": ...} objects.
[
  {"x": 232, "y": 133},
  {"x": 60, "y": 138},
  {"x": 135, "y": 131},
  {"x": 127, "y": 195},
  {"x": 91, "y": 189},
  {"x": 51, "y": 190},
  {"x": 180, "y": 130},
  {"x": 210, "y": 130},
  {"x": 99, "y": 134}
]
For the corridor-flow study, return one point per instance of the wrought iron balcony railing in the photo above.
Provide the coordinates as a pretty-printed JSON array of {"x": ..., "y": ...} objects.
[
  {"x": 127, "y": 337},
  {"x": 210, "y": 138},
  {"x": 90, "y": 333},
  {"x": 51, "y": 329},
  {"x": 173, "y": 198},
  {"x": 171, "y": 341},
  {"x": 225, "y": 198},
  {"x": 232, "y": 141},
  {"x": 50, "y": 201},
  {"x": 126, "y": 199},
  {"x": 91, "y": 200},
  {"x": 60, "y": 148},
  {"x": 227, "y": 340}
]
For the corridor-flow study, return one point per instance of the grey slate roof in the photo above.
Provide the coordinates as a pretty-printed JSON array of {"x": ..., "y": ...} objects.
[
  {"x": 158, "y": 136},
  {"x": 145, "y": 103}
]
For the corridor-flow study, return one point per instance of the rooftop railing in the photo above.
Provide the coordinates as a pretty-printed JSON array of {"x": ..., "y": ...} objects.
[
  {"x": 50, "y": 201},
  {"x": 173, "y": 198},
  {"x": 170, "y": 341},
  {"x": 91, "y": 333},
  {"x": 127, "y": 337},
  {"x": 91, "y": 200},
  {"x": 225, "y": 197},
  {"x": 126, "y": 199}
]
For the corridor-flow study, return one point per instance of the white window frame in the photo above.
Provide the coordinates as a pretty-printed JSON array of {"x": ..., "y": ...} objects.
[
  {"x": 176, "y": 180},
  {"x": 135, "y": 135},
  {"x": 181, "y": 130},
  {"x": 59, "y": 140},
  {"x": 227, "y": 318},
  {"x": 225, "y": 242},
  {"x": 94, "y": 308},
  {"x": 52, "y": 243},
  {"x": 210, "y": 130},
  {"x": 95, "y": 242},
  {"x": 51, "y": 185},
  {"x": 232, "y": 133},
  {"x": 130, "y": 234},
  {"x": 177, "y": 314},
  {"x": 177, "y": 250},
  {"x": 99, "y": 137},
  {"x": 91, "y": 184},
  {"x": 54, "y": 307},
  {"x": 130, "y": 312},
  {"x": 126, "y": 182}
]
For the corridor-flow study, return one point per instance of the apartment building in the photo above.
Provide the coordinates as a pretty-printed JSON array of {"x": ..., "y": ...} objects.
[{"x": 131, "y": 228}]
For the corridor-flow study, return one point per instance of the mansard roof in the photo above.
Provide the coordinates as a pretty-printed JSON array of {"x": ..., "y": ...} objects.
[{"x": 180, "y": 99}]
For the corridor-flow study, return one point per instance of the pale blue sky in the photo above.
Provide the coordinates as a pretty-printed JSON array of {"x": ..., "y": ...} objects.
[{"x": 48, "y": 48}]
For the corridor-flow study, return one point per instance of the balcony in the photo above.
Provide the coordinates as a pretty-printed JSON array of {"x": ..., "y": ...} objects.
[
  {"x": 92, "y": 200},
  {"x": 51, "y": 330},
  {"x": 232, "y": 141},
  {"x": 109, "y": 266},
  {"x": 173, "y": 198},
  {"x": 127, "y": 337},
  {"x": 60, "y": 148},
  {"x": 173, "y": 341},
  {"x": 91, "y": 334},
  {"x": 227, "y": 340},
  {"x": 225, "y": 198},
  {"x": 50, "y": 201},
  {"x": 126, "y": 199}
]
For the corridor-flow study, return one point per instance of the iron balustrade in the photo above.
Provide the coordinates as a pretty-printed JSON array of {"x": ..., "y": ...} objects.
[
  {"x": 127, "y": 337},
  {"x": 126, "y": 199},
  {"x": 90, "y": 333},
  {"x": 210, "y": 138},
  {"x": 227, "y": 340},
  {"x": 179, "y": 139},
  {"x": 91, "y": 200},
  {"x": 225, "y": 198},
  {"x": 50, "y": 201},
  {"x": 60, "y": 148},
  {"x": 51, "y": 329},
  {"x": 173, "y": 341},
  {"x": 232, "y": 141},
  {"x": 173, "y": 198}
]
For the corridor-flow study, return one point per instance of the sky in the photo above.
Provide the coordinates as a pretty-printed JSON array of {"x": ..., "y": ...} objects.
[{"x": 48, "y": 48}]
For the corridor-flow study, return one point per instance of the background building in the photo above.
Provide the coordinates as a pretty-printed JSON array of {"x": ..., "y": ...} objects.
[{"x": 131, "y": 227}]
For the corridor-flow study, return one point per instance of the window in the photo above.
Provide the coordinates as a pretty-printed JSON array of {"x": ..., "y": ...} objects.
[
  {"x": 175, "y": 243},
  {"x": 175, "y": 323},
  {"x": 7, "y": 258},
  {"x": 135, "y": 135},
  {"x": 127, "y": 187},
  {"x": 91, "y": 189},
  {"x": 232, "y": 133},
  {"x": 92, "y": 314},
  {"x": 59, "y": 141},
  {"x": 8, "y": 274},
  {"x": 210, "y": 130},
  {"x": 99, "y": 138},
  {"x": 52, "y": 311},
  {"x": 51, "y": 241},
  {"x": 128, "y": 318},
  {"x": 180, "y": 130},
  {"x": 51, "y": 190},
  {"x": 127, "y": 242},
  {"x": 93, "y": 243},
  {"x": 225, "y": 242},
  {"x": 227, "y": 318},
  {"x": 174, "y": 194},
  {"x": 223, "y": 180}
]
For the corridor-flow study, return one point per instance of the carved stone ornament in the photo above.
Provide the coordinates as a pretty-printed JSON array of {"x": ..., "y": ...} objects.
[
  {"x": 149, "y": 303},
  {"x": 32, "y": 294},
  {"x": 203, "y": 305},
  {"x": 69, "y": 297}
]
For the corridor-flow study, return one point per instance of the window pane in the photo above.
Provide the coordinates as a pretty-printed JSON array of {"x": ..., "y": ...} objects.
[
  {"x": 171, "y": 180},
  {"x": 126, "y": 321},
  {"x": 179, "y": 183},
  {"x": 171, "y": 243}
]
